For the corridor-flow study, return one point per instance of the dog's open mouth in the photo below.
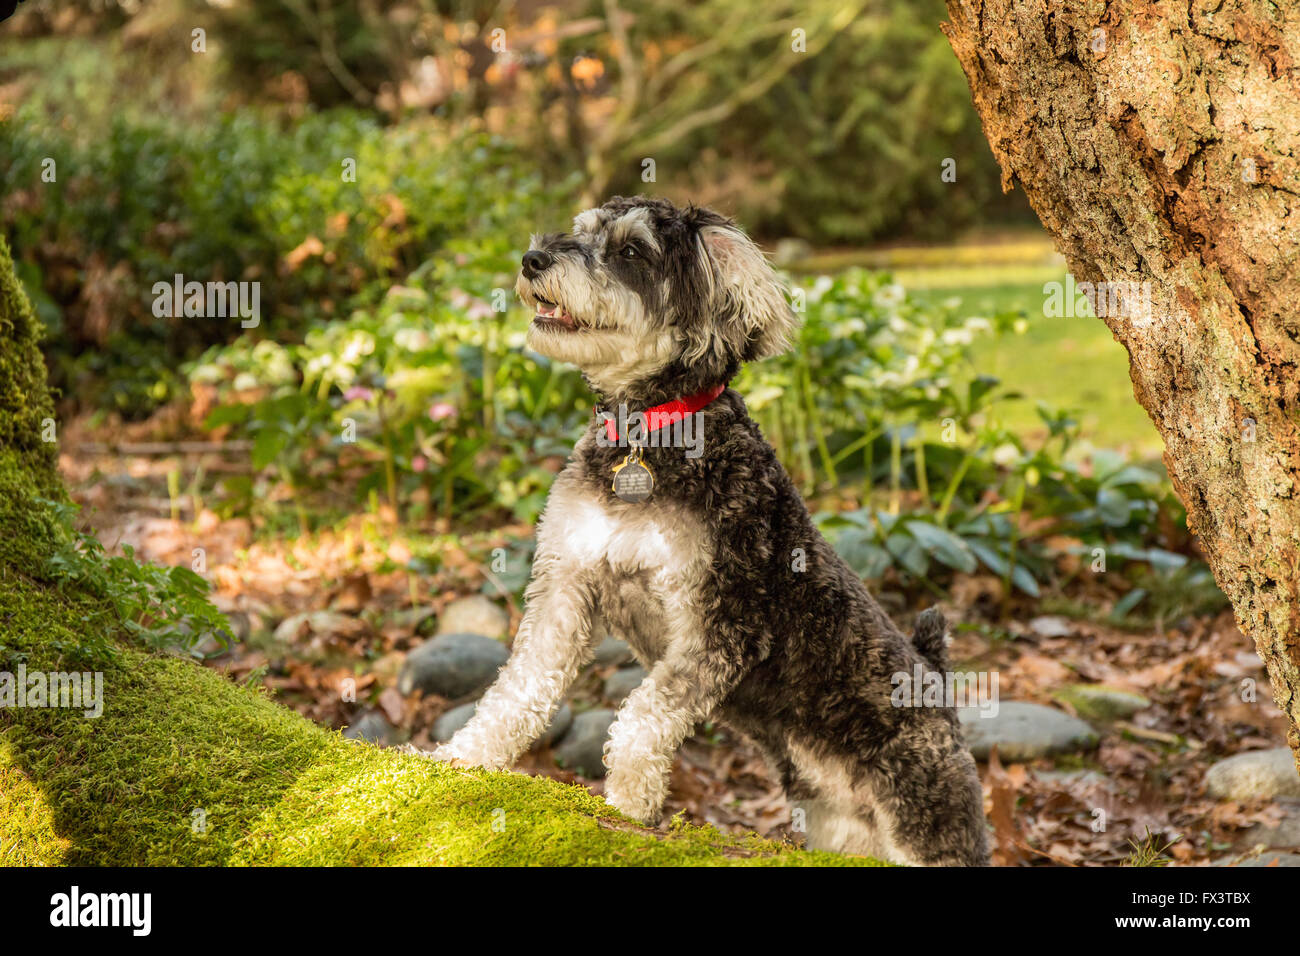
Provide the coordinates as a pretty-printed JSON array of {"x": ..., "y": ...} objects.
[{"x": 551, "y": 315}]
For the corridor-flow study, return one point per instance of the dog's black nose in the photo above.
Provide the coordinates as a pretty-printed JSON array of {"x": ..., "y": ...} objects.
[{"x": 536, "y": 261}]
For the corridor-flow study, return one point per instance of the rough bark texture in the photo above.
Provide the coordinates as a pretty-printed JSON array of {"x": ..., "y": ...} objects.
[{"x": 1160, "y": 142}]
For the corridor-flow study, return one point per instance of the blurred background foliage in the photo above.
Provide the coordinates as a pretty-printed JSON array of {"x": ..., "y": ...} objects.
[{"x": 389, "y": 369}]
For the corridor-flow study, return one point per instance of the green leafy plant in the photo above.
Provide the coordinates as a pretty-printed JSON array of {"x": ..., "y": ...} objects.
[{"x": 161, "y": 608}]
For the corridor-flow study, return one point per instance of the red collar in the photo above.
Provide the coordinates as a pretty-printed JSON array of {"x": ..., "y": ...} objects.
[{"x": 669, "y": 413}]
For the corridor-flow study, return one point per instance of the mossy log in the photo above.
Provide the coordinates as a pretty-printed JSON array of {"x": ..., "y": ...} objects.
[{"x": 185, "y": 767}]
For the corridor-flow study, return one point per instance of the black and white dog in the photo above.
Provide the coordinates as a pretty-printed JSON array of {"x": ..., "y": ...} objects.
[{"x": 708, "y": 564}]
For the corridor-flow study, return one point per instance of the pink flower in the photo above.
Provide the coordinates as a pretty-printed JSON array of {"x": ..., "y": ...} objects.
[
  {"x": 440, "y": 410},
  {"x": 419, "y": 463},
  {"x": 358, "y": 392}
]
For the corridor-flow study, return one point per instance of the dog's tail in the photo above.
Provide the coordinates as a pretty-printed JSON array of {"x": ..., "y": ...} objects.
[{"x": 928, "y": 637}]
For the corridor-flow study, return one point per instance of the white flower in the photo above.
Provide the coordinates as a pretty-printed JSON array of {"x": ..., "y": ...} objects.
[
  {"x": 1005, "y": 454},
  {"x": 412, "y": 340},
  {"x": 358, "y": 345},
  {"x": 890, "y": 295}
]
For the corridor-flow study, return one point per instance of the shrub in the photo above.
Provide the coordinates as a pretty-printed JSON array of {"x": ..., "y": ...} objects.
[{"x": 240, "y": 198}]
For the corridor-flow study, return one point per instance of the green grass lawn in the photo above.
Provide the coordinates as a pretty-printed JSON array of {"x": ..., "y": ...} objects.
[{"x": 1067, "y": 362}]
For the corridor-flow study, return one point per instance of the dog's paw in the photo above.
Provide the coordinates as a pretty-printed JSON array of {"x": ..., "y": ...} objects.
[
  {"x": 452, "y": 758},
  {"x": 642, "y": 808}
]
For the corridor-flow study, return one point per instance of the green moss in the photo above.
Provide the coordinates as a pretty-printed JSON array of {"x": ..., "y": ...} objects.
[
  {"x": 25, "y": 403},
  {"x": 177, "y": 741}
]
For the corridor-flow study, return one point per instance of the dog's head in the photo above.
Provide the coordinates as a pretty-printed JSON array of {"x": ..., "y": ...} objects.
[{"x": 642, "y": 291}]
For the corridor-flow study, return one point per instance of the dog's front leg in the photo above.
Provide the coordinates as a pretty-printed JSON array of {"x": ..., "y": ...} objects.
[
  {"x": 651, "y": 725},
  {"x": 554, "y": 641}
]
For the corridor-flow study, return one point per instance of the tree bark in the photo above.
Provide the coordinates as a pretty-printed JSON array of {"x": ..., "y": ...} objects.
[{"x": 1159, "y": 142}]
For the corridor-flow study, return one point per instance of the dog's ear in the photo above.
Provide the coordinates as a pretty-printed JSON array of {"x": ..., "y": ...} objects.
[{"x": 751, "y": 311}]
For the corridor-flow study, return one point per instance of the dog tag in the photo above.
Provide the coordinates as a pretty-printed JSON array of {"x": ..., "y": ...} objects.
[{"x": 633, "y": 481}]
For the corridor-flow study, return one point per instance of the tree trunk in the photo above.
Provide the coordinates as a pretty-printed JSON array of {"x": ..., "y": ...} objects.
[
  {"x": 185, "y": 767},
  {"x": 1159, "y": 143}
]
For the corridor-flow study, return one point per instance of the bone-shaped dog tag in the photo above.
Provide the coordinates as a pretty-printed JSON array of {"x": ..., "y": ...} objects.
[{"x": 633, "y": 481}]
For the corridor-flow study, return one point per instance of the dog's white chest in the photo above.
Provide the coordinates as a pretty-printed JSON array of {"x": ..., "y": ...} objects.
[{"x": 626, "y": 538}]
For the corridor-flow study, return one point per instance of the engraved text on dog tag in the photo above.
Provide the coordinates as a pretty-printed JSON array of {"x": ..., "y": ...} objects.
[{"x": 633, "y": 481}]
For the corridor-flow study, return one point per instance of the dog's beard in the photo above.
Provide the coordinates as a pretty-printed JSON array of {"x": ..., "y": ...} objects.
[{"x": 602, "y": 329}]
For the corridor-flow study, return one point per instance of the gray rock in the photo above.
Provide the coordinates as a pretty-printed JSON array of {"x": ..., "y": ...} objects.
[
  {"x": 1264, "y": 859},
  {"x": 475, "y": 614},
  {"x": 1083, "y": 779},
  {"x": 373, "y": 727},
  {"x": 1050, "y": 625},
  {"x": 623, "y": 681},
  {"x": 451, "y": 721},
  {"x": 1259, "y": 773},
  {"x": 582, "y": 749},
  {"x": 1283, "y": 834},
  {"x": 560, "y": 725},
  {"x": 1099, "y": 702},
  {"x": 445, "y": 727},
  {"x": 452, "y": 665},
  {"x": 1024, "y": 731},
  {"x": 613, "y": 651}
]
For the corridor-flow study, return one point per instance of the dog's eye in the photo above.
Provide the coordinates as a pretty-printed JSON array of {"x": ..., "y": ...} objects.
[{"x": 629, "y": 252}]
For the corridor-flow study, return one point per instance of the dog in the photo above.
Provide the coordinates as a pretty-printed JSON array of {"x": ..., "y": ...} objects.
[{"x": 710, "y": 566}]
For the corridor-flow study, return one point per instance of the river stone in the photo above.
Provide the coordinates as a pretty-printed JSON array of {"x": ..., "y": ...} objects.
[
  {"x": 582, "y": 749},
  {"x": 1271, "y": 858},
  {"x": 560, "y": 725},
  {"x": 452, "y": 665},
  {"x": 613, "y": 651},
  {"x": 1024, "y": 731},
  {"x": 623, "y": 681},
  {"x": 372, "y": 727},
  {"x": 1082, "y": 779},
  {"x": 475, "y": 614},
  {"x": 1099, "y": 702},
  {"x": 453, "y": 720},
  {"x": 1283, "y": 834},
  {"x": 1050, "y": 625},
  {"x": 445, "y": 727},
  {"x": 1258, "y": 773}
]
